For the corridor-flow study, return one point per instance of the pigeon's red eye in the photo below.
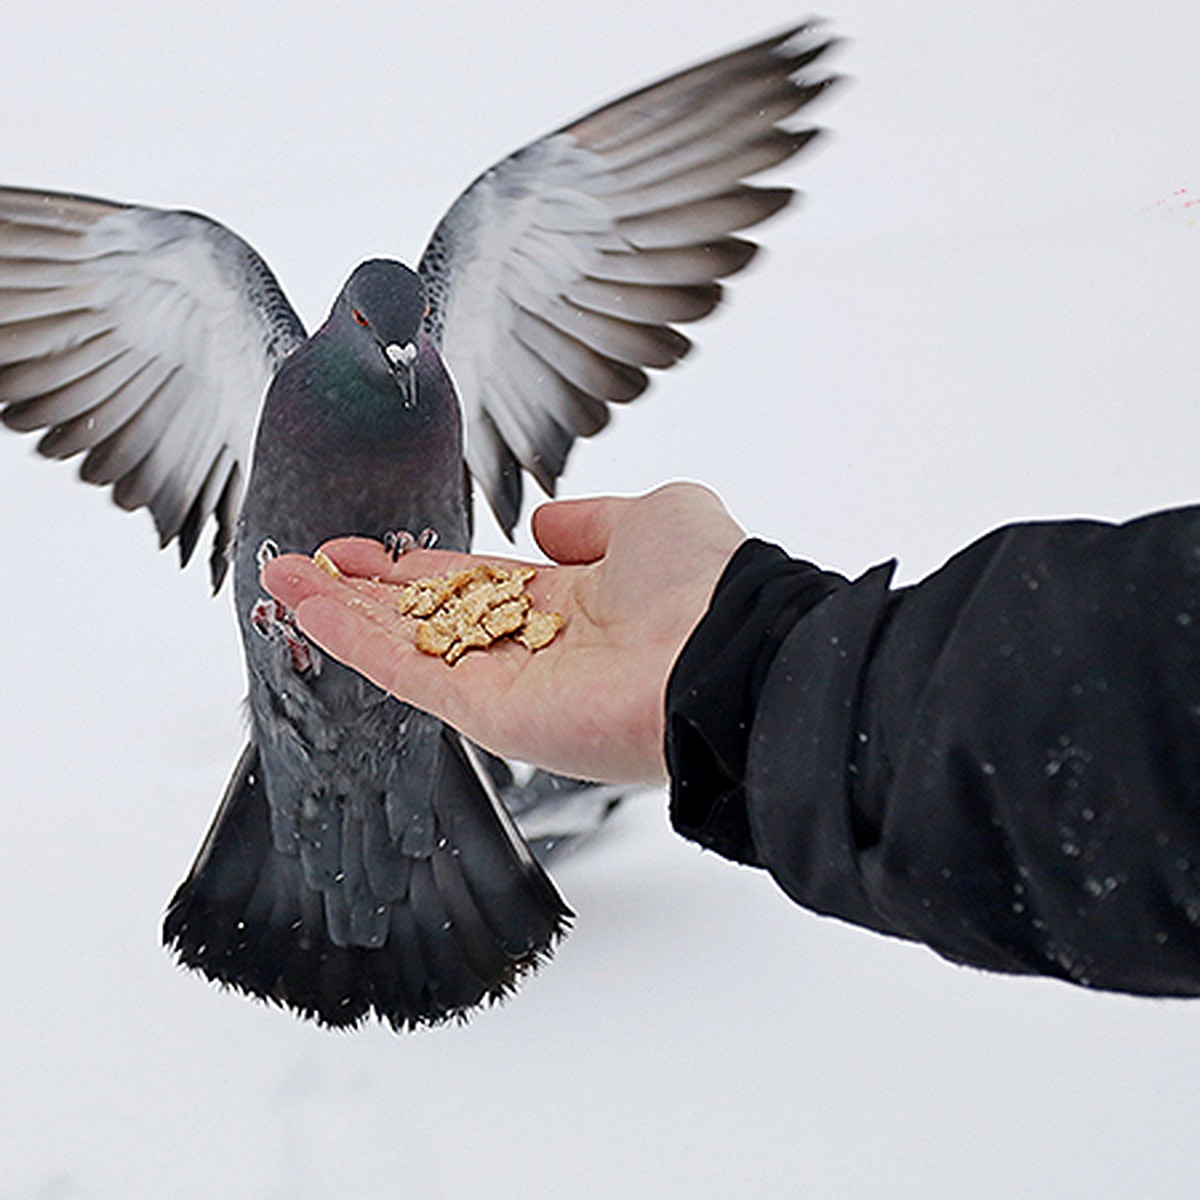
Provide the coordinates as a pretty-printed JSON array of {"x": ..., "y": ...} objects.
[{"x": 360, "y": 318}]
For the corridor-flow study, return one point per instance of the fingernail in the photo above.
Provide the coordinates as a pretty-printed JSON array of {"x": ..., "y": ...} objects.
[{"x": 322, "y": 560}]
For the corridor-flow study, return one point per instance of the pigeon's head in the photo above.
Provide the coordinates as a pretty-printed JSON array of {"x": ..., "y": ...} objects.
[{"x": 380, "y": 311}]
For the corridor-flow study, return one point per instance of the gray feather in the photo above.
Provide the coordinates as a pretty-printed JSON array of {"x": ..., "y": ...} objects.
[
  {"x": 115, "y": 328},
  {"x": 645, "y": 190}
]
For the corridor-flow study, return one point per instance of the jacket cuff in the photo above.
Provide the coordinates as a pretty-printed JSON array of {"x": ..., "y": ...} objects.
[{"x": 714, "y": 687}]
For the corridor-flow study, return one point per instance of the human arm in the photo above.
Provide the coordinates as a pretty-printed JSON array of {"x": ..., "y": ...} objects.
[{"x": 1002, "y": 761}]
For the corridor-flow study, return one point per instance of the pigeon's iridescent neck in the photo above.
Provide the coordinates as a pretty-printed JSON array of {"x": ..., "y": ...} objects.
[
  {"x": 335, "y": 455},
  {"x": 324, "y": 400}
]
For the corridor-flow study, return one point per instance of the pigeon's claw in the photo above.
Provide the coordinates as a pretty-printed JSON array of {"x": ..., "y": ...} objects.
[
  {"x": 268, "y": 549},
  {"x": 277, "y": 623},
  {"x": 398, "y": 542},
  {"x": 264, "y": 617}
]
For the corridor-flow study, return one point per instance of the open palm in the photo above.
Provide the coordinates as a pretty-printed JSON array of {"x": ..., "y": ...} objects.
[{"x": 632, "y": 578}]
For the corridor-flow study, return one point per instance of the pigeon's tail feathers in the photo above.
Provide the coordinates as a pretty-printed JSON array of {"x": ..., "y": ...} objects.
[
  {"x": 556, "y": 814},
  {"x": 476, "y": 914}
]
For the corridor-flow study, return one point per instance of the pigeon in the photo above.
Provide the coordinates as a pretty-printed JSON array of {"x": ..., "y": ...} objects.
[{"x": 364, "y": 861}]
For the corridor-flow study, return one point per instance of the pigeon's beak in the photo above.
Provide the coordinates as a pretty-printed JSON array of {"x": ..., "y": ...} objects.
[
  {"x": 401, "y": 356},
  {"x": 402, "y": 359}
]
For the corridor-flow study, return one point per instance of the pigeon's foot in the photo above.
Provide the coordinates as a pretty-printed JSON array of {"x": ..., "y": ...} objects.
[
  {"x": 277, "y": 623},
  {"x": 268, "y": 549},
  {"x": 398, "y": 542}
]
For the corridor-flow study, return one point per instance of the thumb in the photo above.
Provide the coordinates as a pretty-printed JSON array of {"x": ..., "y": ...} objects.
[{"x": 577, "y": 531}]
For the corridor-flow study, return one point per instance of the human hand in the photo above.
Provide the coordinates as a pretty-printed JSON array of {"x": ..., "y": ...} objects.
[{"x": 635, "y": 575}]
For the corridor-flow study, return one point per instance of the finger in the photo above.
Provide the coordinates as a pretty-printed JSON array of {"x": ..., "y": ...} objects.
[
  {"x": 291, "y": 578},
  {"x": 357, "y": 637},
  {"x": 364, "y": 632},
  {"x": 358, "y": 555},
  {"x": 578, "y": 531},
  {"x": 294, "y": 578},
  {"x": 364, "y": 558},
  {"x": 369, "y": 559}
]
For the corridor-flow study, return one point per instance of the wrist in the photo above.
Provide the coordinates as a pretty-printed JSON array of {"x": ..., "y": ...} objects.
[{"x": 712, "y": 693}]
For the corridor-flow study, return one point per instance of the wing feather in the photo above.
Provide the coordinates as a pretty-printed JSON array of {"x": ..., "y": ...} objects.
[
  {"x": 686, "y": 266},
  {"x": 144, "y": 340},
  {"x": 141, "y": 405},
  {"x": 77, "y": 422},
  {"x": 652, "y": 305},
  {"x": 43, "y": 379},
  {"x": 556, "y": 279},
  {"x": 590, "y": 371}
]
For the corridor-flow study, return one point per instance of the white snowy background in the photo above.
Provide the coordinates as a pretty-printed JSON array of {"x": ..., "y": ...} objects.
[{"x": 987, "y": 308}]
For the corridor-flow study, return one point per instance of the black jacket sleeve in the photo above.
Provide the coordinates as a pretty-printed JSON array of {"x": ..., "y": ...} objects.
[{"x": 1002, "y": 761}]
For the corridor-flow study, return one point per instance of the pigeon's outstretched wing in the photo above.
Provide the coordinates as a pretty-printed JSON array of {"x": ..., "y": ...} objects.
[
  {"x": 144, "y": 338},
  {"x": 556, "y": 278}
]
